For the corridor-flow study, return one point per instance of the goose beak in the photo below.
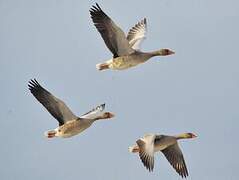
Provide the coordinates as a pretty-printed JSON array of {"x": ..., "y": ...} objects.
[
  {"x": 194, "y": 136},
  {"x": 171, "y": 52},
  {"x": 111, "y": 115}
]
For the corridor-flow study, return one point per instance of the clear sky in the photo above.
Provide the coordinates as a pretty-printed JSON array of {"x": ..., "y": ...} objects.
[{"x": 195, "y": 90}]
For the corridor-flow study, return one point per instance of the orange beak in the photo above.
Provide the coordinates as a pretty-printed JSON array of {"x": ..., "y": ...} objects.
[{"x": 111, "y": 115}]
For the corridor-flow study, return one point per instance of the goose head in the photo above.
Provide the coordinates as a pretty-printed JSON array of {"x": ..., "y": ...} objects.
[
  {"x": 191, "y": 135},
  {"x": 186, "y": 136},
  {"x": 165, "y": 52}
]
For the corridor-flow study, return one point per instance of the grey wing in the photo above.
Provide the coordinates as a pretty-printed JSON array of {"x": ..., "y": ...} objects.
[
  {"x": 175, "y": 157},
  {"x": 146, "y": 154},
  {"x": 137, "y": 34},
  {"x": 95, "y": 112},
  {"x": 163, "y": 141},
  {"x": 55, "y": 106},
  {"x": 112, "y": 35}
]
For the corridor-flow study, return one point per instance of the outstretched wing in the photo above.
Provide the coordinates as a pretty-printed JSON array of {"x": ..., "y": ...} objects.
[
  {"x": 146, "y": 151},
  {"x": 137, "y": 34},
  {"x": 55, "y": 106},
  {"x": 96, "y": 112},
  {"x": 175, "y": 157},
  {"x": 113, "y": 36}
]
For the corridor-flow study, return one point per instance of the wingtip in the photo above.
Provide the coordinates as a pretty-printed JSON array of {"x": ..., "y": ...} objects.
[
  {"x": 95, "y": 7},
  {"x": 150, "y": 169},
  {"x": 33, "y": 82},
  {"x": 30, "y": 84},
  {"x": 145, "y": 20},
  {"x": 102, "y": 106}
]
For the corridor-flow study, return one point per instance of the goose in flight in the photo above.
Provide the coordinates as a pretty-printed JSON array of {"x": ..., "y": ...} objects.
[
  {"x": 168, "y": 145},
  {"x": 69, "y": 123},
  {"x": 125, "y": 50}
]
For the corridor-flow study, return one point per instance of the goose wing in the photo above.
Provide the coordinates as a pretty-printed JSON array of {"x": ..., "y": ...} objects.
[
  {"x": 146, "y": 151},
  {"x": 56, "y": 107},
  {"x": 175, "y": 157},
  {"x": 137, "y": 34},
  {"x": 112, "y": 35},
  {"x": 96, "y": 112}
]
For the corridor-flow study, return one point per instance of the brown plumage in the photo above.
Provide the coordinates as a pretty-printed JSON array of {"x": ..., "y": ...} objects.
[
  {"x": 168, "y": 145},
  {"x": 69, "y": 124},
  {"x": 126, "y": 50}
]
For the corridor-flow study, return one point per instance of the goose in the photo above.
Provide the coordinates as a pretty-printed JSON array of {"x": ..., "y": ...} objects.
[
  {"x": 126, "y": 50},
  {"x": 69, "y": 123},
  {"x": 168, "y": 145}
]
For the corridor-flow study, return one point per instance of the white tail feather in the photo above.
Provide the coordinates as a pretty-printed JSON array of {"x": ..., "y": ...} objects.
[
  {"x": 98, "y": 66},
  {"x": 133, "y": 149},
  {"x": 102, "y": 66},
  {"x": 51, "y": 133}
]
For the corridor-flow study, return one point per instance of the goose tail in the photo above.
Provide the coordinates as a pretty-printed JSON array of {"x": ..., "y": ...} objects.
[
  {"x": 133, "y": 149},
  {"x": 102, "y": 66},
  {"x": 50, "y": 134}
]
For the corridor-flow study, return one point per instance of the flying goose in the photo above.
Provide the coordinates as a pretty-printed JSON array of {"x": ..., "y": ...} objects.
[
  {"x": 152, "y": 143},
  {"x": 125, "y": 50},
  {"x": 69, "y": 123}
]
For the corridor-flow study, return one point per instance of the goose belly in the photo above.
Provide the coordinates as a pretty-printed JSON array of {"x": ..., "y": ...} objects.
[
  {"x": 124, "y": 62},
  {"x": 74, "y": 129}
]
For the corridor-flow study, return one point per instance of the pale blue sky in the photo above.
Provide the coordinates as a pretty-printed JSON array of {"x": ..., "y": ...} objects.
[{"x": 195, "y": 90}]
